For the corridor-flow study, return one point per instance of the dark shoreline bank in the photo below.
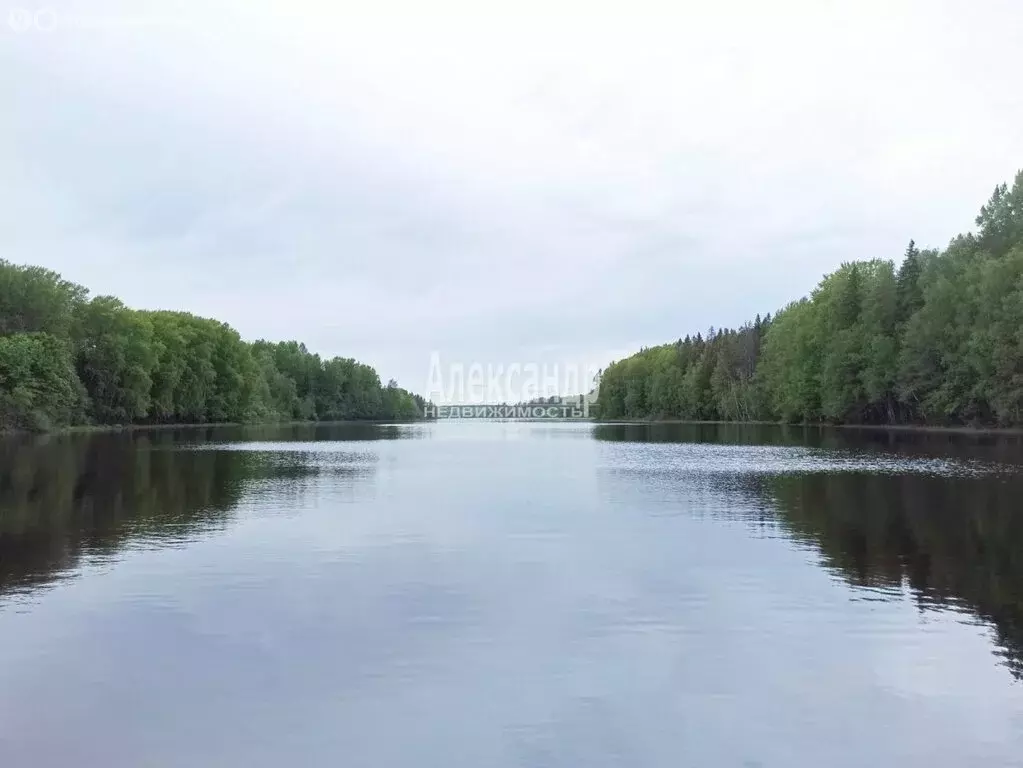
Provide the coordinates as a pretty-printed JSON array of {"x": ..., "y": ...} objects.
[
  {"x": 918, "y": 428},
  {"x": 108, "y": 428}
]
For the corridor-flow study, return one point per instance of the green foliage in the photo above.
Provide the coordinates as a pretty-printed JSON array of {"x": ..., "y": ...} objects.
[
  {"x": 789, "y": 369},
  {"x": 693, "y": 378},
  {"x": 36, "y": 300},
  {"x": 115, "y": 357},
  {"x": 38, "y": 388},
  {"x": 66, "y": 360},
  {"x": 909, "y": 293},
  {"x": 1001, "y": 219},
  {"x": 400, "y": 403},
  {"x": 940, "y": 340}
]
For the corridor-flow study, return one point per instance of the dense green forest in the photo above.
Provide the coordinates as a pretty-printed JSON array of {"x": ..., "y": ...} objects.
[
  {"x": 937, "y": 340},
  {"x": 68, "y": 360}
]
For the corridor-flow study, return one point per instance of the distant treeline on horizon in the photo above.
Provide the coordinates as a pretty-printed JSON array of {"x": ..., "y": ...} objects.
[
  {"x": 66, "y": 360},
  {"x": 937, "y": 341}
]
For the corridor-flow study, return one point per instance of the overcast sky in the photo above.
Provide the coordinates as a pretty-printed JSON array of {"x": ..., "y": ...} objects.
[{"x": 541, "y": 182}]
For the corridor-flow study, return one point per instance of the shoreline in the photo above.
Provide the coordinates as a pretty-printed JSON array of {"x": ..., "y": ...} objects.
[
  {"x": 98, "y": 428},
  {"x": 907, "y": 428},
  {"x": 918, "y": 428}
]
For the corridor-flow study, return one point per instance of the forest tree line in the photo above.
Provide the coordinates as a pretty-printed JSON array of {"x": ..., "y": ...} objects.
[
  {"x": 936, "y": 340},
  {"x": 66, "y": 359}
]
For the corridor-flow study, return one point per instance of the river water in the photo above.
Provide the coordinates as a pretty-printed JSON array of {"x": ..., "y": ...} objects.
[{"x": 511, "y": 594}]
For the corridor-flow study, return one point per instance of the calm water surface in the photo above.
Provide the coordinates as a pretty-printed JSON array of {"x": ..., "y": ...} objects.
[{"x": 511, "y": 594}]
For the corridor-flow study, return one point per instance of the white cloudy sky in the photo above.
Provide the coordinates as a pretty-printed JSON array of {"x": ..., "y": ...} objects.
[{"x": 528, "y": 182}]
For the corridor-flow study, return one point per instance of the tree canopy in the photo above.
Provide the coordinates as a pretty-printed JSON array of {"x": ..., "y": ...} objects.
[
  {"x": 939, "y": 340},
  {"x": 66, "y": 359}
]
